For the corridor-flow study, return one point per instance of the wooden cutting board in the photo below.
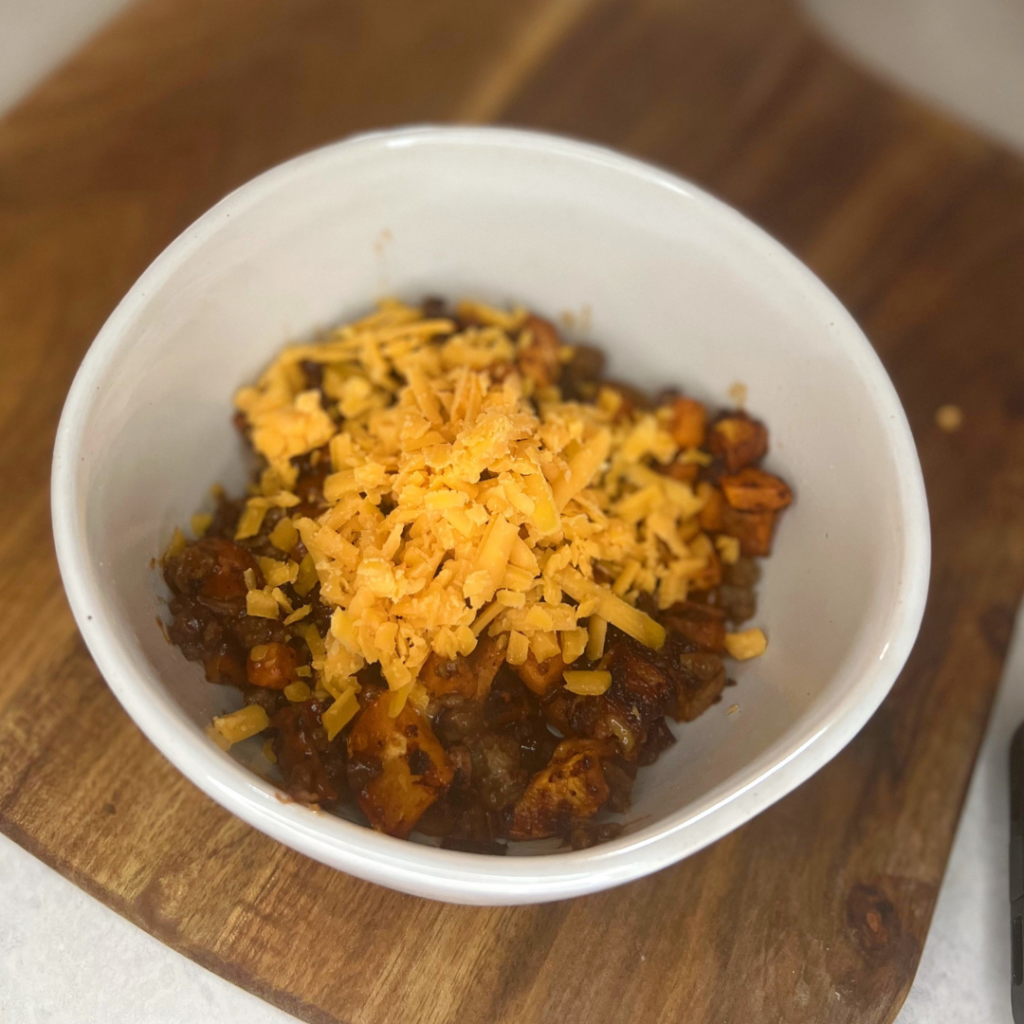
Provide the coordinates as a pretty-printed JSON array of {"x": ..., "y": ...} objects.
[{"x": 814, "y": 912}]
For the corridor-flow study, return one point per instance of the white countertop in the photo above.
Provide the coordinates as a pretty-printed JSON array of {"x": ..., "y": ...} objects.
[
  {"x": 67, "y": 959},
  {"x": 964, "y": 976}
]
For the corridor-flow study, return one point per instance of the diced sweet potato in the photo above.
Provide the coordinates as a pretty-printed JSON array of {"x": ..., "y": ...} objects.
[
  {"x": 710, "y": 516},
  {"x": 598, "y": 718},
  {"x": 441, "y": 676},
  {"x": 702, "y": 624},
  {"x": 752, "y": 529},
  {"x": 738, "y": 440},
  {"x": 688, "y": 423},
  {"x": 540, "y": 676},
  {"x": 539, "y": 360},
  {"x": 275, "y": 668},
  {"x": 675, "y": 680},
  {"x": 640, "y": 680},
  {"x": 684, "y": 472},
  {"x": 572, "y": 788},
  {"x": 754, "y": 490},
  {"x": 397, "y": 764},
  {"x": 699, "y": 679},
  {"x": 471, "y": 676},
  {"x": 711, "y": 575},
  {"x": 488, "y": 657}
]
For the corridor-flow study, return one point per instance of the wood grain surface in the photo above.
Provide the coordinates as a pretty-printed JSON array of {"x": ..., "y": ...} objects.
[{"x": 814, "y": 912}]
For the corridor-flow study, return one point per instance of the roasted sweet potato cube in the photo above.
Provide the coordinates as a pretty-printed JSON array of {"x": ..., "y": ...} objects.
[
  {"x": 596, "y": 718},
  {"x": 699, "y": 680},
  {"x": 275, "y": 668},
  {"x": 442, "y": 676},
  {"x": 752, "y": 529},
  {"x": 640, "y": 679},
  {"x": 739, "y": 441},
  {"x": 471, "y": 676},
  {"x": 397, "y": 765},
  {"x": 685, "y": 472},
  {"x": 701, "y": 624},
  {"x": 754, "y": 490},
  {"x": 688, "y": 423},
  {"x": 571, "y": 788},
  {"x": 539, "y": 360},
  {"x": 711, "y": 575},
  {"x": 488, "y": 657},
  {"x": 540, "y": 676},
  {"x": 710, "y": 516}
]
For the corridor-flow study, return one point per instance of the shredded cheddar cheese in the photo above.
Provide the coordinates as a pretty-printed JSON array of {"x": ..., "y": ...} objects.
[
  {"x": 241, "y": 724},
  {"x": 464, "y": 500},
  {"x": 751, "y": 643},
  {"x": 587, "y": 684}
]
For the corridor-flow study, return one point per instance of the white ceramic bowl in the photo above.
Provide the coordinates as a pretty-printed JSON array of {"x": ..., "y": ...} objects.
[{"x": 679, "y": 289}]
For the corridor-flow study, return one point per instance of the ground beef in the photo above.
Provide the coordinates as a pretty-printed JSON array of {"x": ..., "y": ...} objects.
[
  {"x": 314, "y": 767},
  {"x": 498, "y": 775}
]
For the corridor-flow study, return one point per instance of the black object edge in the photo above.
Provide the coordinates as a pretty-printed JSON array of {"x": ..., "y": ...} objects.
[{"x": 1017, "y": 875}]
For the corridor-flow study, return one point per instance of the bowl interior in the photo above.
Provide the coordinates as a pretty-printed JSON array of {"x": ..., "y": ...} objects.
[{"x": 678, "y": 289}]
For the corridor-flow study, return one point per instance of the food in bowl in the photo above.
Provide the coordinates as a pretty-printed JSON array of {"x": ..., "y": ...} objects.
[{"x": 472, "y": 578}]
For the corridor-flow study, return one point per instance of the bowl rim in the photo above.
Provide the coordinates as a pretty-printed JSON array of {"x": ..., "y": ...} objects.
[{"x": 423, "y": 870}]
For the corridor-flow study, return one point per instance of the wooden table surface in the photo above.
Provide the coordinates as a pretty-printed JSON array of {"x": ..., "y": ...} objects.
[{"x": 814, "y": 912}]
